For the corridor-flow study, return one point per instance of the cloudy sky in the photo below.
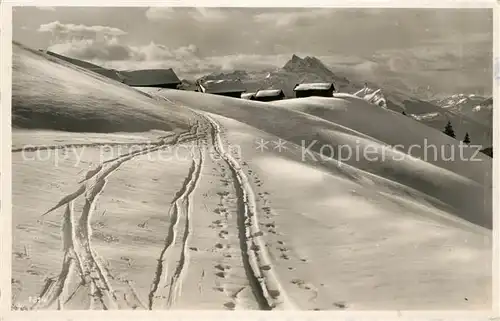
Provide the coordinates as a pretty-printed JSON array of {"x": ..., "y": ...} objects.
[{"x": 422, "y": 43}]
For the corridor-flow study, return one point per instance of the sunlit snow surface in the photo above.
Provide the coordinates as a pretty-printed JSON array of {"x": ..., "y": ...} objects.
[{"x": 185, "y": 200}]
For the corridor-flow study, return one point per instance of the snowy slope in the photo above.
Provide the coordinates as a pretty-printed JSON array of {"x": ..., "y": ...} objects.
[
  {"x": 360, "y": 129},
  {"x": 479, "y": 133},
  {"x": 109, "y": 73},
  {"x": 53, "y": 94},
  {"x": 468, "y": 114},
  {"x": 175, "y": 207}
]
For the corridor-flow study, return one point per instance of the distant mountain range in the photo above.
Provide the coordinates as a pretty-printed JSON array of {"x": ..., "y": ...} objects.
[
  {"x": 476, "y": 120},
  {"x": 475, "y": 107}
]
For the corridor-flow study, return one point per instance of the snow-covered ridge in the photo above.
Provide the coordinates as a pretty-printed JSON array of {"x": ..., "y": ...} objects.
[
  {"x": 478, "y": 109},
  {"x": 427, "y": 116},
  {"x": 373, "y": 96},
  {"x": 461, "y": 101}
]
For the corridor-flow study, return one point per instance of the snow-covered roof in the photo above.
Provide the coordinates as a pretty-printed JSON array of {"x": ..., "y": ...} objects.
[
  {"x": 222, "y": 86},
  {"x": 269, "y": 93},
  {"x": 314, "y": 86},
  {"x": 247, "y": 95},
  {"x": 151, "y": 77}
]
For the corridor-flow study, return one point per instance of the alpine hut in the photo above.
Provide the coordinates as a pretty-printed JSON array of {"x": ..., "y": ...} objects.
[
  {"x": 163, "y": 78},
  {"x": 314, "y": 89},
  {"x": 228, "y": 88},
  {"x": 248, "y": 96},
  {"x": 269, "y": 95}
]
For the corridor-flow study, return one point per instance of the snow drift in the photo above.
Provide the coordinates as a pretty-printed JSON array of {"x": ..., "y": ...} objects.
[
  {"x": 463, "y": 183},
  {"x": 50, "y": 93}
]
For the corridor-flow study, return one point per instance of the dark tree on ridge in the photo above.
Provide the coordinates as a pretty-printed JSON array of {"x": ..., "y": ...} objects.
[
  {"x": 466, "y": 138},
  {"x": 448, "y": 130}
]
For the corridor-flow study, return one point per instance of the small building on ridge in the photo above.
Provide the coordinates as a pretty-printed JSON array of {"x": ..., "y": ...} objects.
[
  {"x": 163, "y": 78},
  {"x": 248, "y": 96},
  {"x": 269, "y": 95},
  {"x": 314, "y": 89},
  {"x": 226, "y": 88}
]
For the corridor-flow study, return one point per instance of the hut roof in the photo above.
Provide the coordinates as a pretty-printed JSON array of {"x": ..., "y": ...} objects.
[
  {"x": 314, "y": 86},
  {"x": 247, "y": 95},
  {"x": 269, "y": 93},
  {"x": 151, "y": 77},
  {"x": 221, "y": 86}
]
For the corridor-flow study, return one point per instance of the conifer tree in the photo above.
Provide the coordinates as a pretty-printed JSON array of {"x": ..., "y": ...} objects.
[
  {"x": 448, "y": 130},
  {"x": 466, "y": 138}
]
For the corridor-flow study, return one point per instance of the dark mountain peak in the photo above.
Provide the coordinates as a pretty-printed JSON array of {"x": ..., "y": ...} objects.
[
  {"x": 295, "y": 63},
  {"x": 315, "y": 62},
  {"x": 311, "y": 59},
  {"x": 308, "y": 64}
]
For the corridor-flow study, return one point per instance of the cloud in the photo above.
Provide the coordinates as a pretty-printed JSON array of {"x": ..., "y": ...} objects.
[
  {"x": 92, "y": 49},
  {"x": 156, "y": 52},
  {"x": 284, "y": 19},
  {"x": 186, "y": 60},
  {"x": 104, "y": 43},
  {"x": 208, "y": 15},
  {"x": 72, "y": 31},
  {"x": 111, "y": 49},
  {"x": 298, "y": 17},
  {"x": 472, "y": 55},
  {"x": 159, "y": 14},
  {"x": 46, "y": 8}
]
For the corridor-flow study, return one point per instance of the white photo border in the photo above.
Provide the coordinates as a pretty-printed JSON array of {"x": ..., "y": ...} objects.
[{"x": 6, "y": 172}]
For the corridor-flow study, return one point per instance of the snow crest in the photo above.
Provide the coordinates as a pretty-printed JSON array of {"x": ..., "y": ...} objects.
[{"x": 373, "y": 96}]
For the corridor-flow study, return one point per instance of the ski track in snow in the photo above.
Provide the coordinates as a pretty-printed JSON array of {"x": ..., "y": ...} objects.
[
  {"x": 165, "y": 294},
  {"x": 181, "y": 270},
  {"x": 173, "y": 260},
  {"x": 77, "y": 236},
  {"x": 262, "y": 279},
  {"x": 261, "y": 276},
  {"x": 102, "y": 171}
]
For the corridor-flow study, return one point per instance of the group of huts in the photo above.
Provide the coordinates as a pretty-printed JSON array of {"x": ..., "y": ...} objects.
[
  {"x": 300, "y": 90},
  {"x": 167, "y": 78},
  {"x": 235, "y": 89}
]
